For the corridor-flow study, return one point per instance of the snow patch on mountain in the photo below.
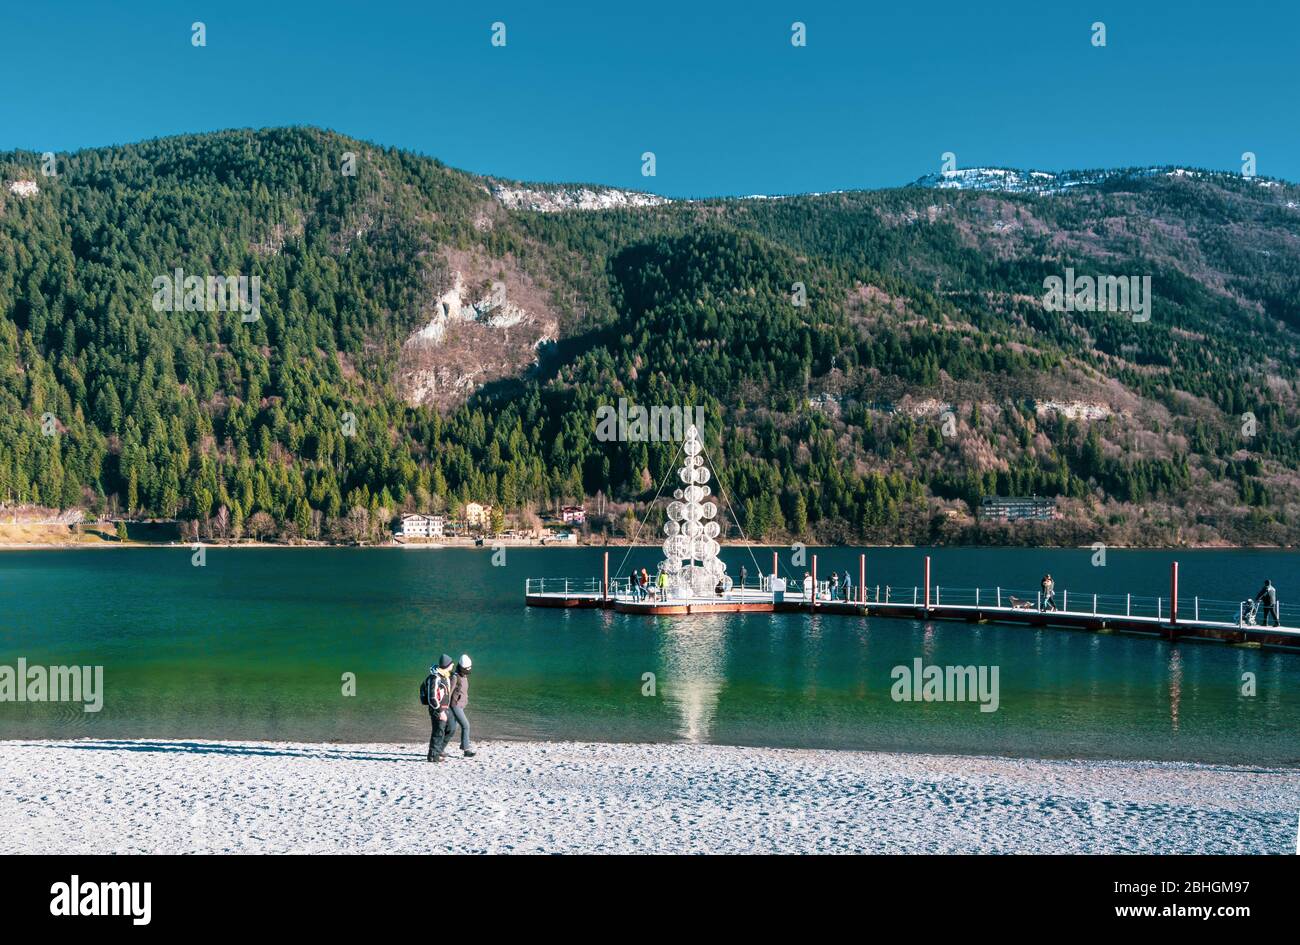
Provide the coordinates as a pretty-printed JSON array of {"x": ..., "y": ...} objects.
[
  {"x": 1010, "y": 180},
  {"x": 570, "y": 197}
]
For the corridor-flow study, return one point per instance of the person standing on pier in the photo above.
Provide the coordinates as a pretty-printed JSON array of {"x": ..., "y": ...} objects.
[
  {"x": 1049, "y": 593},
  {"x": 835, "y": 585},
  {"x": 847, "y": 585},
  {"x": 1267, "y": 598},
  {"x": 743, "y": 575}
]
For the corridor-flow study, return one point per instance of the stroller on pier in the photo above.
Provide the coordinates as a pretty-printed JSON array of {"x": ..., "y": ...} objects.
[{"x": 1249, "y": 609}]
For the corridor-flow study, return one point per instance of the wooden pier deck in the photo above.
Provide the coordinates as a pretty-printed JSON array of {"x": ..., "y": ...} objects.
[{"x": 1189, "y": 619}]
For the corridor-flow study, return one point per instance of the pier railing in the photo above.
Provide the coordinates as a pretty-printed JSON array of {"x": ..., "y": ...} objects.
[
  {"x": 1198, "y": 609},
  {"x": 1065, "y": 600},
  {"x": 618, "y": 587},
  {"x": 562, "y": 586}
]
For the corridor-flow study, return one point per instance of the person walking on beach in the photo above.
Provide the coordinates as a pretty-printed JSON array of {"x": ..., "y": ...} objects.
[
  {"x": 435, "y": 692},
  {"x": 1267, "y": 598},
  {"x": 1049, "y": 592},
  {"x": 458, "y": 703}
]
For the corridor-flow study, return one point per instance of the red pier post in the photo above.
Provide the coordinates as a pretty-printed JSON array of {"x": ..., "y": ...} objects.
[
  {"x": 927, "y": 584},
  {"x": 862, "y": 578},
  {"x": 604, "y": 583}
]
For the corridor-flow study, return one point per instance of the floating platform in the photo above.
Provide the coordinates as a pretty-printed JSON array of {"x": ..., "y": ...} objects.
[{"x": 589, "y": 594}]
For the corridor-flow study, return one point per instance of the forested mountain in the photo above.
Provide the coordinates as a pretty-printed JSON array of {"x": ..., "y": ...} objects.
[{"x": 871, "y": 364}]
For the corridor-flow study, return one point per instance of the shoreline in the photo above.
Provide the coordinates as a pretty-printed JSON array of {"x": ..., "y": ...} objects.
[
  {"x": 516, "y": 543},
  {"x": 180, "y": 796}
]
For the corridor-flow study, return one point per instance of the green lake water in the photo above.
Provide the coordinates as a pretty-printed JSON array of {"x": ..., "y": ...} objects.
[{"x": 254, "y": 645}]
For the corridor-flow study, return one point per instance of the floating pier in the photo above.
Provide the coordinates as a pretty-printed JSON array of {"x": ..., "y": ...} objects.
[
  {"x": 693, "y": 579},
  {"x": 1170, "y": 618}
]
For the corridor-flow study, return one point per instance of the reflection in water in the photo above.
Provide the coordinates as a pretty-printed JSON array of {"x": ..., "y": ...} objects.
[
  {"x": 694, "y": 670},
  {"x": 1175, "y": 685}
]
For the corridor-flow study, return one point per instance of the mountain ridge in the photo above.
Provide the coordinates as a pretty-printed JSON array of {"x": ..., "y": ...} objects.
[{"x": 826, "y": 403}]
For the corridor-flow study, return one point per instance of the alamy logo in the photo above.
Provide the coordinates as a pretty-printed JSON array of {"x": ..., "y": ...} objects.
[
  {"x": 634, "y": 424},
  {"x": 78, "y": 898},
  {"x": 1100, "y": 293},
  {"x": 921, "y": 683},
  {"x": 176, "y": 292},
  {"x": 84, "y": 684}
]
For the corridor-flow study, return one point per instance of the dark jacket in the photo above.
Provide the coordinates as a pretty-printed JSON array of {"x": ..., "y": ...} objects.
[
  {"x": 433, "y": 695},
  {"x": 1267, "y": 596},
  {"x": 459, "y": 690}
]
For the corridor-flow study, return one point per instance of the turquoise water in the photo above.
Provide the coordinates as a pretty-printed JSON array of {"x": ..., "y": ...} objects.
[{"x": 255, "y": 645}]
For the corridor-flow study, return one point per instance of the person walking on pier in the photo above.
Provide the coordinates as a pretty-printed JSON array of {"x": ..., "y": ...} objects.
[
  {"x": 743, "y": 574},
  {"x": 1267, "y": 598},
  {"x": 847, "y": 585},
  {"x": 662, "y": 581},
  {"x": 1049, "y": 593}
]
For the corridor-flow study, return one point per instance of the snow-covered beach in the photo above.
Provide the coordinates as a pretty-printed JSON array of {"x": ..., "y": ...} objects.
[{"x": 135, "y": 796}]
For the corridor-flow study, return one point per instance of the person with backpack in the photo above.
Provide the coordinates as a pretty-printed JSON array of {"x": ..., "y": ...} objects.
[
  {"x": 459, "y": 701},
  {"x": 435, "y": 692}
]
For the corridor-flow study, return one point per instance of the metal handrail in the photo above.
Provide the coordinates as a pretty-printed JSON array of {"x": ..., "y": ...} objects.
[{"x": 1194, "y": 608}]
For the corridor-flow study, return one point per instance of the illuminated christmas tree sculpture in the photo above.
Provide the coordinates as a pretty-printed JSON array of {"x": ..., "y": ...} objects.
[{"x": 691, "y": 546}]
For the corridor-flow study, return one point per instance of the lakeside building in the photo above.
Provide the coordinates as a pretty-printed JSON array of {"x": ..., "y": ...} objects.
[
  {"x": 478, "y": 515},
  {"x": 420, "y": 526},
  {"x": 573, "y": 514},
  {"x": 1016, "y": 509}
]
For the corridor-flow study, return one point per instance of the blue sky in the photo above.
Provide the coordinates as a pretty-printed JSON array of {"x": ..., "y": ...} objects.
[{"x": 715, "y": 90}]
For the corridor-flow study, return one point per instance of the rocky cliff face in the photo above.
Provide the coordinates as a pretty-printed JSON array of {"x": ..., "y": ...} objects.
[{"x": 479, "y": 329}]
